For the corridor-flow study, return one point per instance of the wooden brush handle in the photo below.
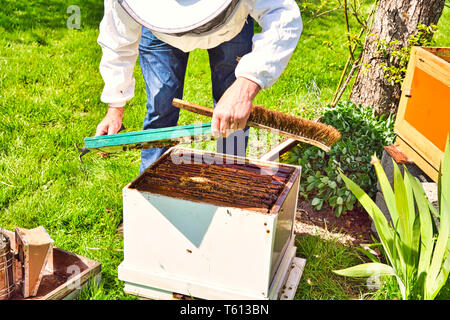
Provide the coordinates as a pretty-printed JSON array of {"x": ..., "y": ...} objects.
[
  {"x": 192, "y": 107},
  {"x": 304, "y": 130},
  {"x": 205, "y": 111}
]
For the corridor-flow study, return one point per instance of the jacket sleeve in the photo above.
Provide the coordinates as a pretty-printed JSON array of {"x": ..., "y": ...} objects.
[
  {"x": 281, "y": 25},
  {"x": 119, "y": 38}
]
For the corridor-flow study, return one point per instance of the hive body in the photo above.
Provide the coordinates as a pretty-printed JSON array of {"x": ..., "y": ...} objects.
[{"x": 225, "y": 245}]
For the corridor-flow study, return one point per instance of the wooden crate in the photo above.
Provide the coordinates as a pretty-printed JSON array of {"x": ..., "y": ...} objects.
[
  {"x": 63, "y": 277},
  {"x": 423, "y": 118}
]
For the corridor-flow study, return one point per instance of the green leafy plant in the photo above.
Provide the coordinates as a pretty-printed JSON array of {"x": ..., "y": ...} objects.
[
  {"x": 363, "y": 133},
  {"x": 417, "y": 255},
  {"x": 397, "y": 58}
]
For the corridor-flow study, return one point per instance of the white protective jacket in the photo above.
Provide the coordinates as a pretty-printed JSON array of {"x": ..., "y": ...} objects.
[{"x": 119, "y": 38}]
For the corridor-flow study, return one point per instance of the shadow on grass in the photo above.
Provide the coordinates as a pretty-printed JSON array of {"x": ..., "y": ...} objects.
[
  {"x": 318, "y": 282},
  {"x": 27, "y": 15}
]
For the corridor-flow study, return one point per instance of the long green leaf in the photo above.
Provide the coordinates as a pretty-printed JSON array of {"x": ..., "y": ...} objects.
[
  {"x": 444, "y": 196},
  {"x": 404, "y": 204},
  {"x": 401, "y": 205},
  {"x": 440, "y": 262},
  {"x": 367, "y": 270},
  {"x": 416, "y": 238},
  {"x": 381, "y": 224},
  {"x": 385, "y": 189},
  {"x": 396, "y": 258},
  {"x": 433, "y": 210},
  {"x": 441, "y": 249},
  {"x": 426, "y": 229},
  {"x": 370, "y": 255},
  {"x": 411, "y": 211},
  {"x": 445, "y": 178},
  {"x": 410, "y": 199},
  {"x": 441, "y": 279}
]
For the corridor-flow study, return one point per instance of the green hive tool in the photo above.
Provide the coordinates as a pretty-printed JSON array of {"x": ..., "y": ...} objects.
[{"x": 153, "y": 138}]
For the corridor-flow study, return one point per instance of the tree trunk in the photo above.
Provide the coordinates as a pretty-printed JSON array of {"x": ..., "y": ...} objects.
[{"x": 394, "y": 20}]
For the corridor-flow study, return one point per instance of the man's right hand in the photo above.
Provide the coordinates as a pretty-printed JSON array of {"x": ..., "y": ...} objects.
[{"x": 111, "y": 123}]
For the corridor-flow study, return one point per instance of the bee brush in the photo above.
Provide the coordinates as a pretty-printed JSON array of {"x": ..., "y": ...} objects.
[{"x": 311, "y": 132}]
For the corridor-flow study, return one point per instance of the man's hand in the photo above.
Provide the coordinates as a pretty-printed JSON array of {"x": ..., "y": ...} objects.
[
  {"x": 111, "y": 123},
  {"x": 233, "y": 109}
]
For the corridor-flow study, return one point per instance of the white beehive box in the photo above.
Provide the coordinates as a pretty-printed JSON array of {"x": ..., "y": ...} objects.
[{"x": 207, "y": 249}]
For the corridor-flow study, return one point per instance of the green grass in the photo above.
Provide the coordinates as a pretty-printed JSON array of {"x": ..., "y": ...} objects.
[
  {"x": 50, "y": 99},
  {"x": 318, "y": 282}
]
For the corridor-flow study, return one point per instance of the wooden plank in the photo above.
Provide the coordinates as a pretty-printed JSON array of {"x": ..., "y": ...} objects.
[
  {"x": 291, "y": 182},
  {"x": 433, "y": 64},
  {"x": 75, "y": 294},
  {"x": 35, "y": 248},
  {"x": 282, "y": 272},
  {"x": 397, "y": 154},
  {"x": 278, "y": 150},
  {"x": 75, "y": 282},
  {"x": 62, "y": 261},
  {"x": 295, "y": 274},
  {"x": 421, "y": 124},
  {"x": 422, "y": 163},
  {"x": 441, "y": 52}
]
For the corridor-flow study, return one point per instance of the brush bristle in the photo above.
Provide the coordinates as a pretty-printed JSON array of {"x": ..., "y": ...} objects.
[{"x": 318, "y": 131}]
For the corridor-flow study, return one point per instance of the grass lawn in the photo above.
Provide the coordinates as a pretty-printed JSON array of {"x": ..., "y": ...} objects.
[{"x": 50, "y": 90}]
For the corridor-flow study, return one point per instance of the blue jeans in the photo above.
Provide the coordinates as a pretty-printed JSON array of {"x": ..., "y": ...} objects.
[{"x": 164, "y": 68}]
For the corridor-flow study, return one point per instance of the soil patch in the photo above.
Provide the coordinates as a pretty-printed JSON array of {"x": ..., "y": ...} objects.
[{"x": 352, "y": 228}]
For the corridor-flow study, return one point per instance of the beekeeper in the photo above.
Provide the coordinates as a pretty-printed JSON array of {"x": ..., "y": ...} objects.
[{"x": 163, "y": 33}]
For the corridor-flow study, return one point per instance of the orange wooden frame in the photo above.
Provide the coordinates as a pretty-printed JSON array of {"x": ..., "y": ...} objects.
[{"x": 423, "y": 118}]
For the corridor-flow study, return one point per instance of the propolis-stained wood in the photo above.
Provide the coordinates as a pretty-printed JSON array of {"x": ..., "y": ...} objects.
[{"x": 238, "y": 184}]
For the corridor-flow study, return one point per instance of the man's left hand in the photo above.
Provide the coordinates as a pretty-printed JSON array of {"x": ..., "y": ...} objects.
[{"x": 233, "y": 109}]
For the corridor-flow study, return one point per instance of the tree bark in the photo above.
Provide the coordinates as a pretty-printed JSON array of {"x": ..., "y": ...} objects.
[{"x": 394, "y": 20}]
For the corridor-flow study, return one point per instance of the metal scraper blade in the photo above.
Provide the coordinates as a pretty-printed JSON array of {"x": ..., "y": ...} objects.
[{"x": 152, "y": 138}]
